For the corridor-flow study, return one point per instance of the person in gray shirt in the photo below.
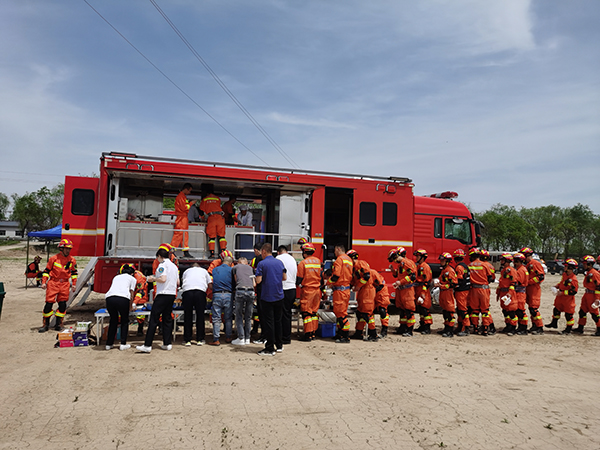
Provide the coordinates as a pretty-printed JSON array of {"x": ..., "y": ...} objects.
[{"x": 243, "y": 275}]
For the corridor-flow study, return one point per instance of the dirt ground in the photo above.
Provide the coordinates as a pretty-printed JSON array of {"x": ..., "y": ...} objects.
[{"x": 425, "y": 392}]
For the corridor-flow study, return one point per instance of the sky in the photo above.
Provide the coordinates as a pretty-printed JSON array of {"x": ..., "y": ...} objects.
[{"x": 498, "y": 100}]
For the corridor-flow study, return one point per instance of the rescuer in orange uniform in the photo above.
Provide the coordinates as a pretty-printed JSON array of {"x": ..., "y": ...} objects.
[
  {"x": 479, "y": 295},
  {"x": 446, "y": 283},
  {"x": 422, "y": 293},
  {"x": 215, "y": 224},
  {"x": 61, "y": 268},
  {"x": 406, "y": 272},
  {"x": 181, "y": 237},
  {"x": 362, "y": 283},
  {"x": 565, "y": 297},
  {"x": 534, "y": 290},
  {"x": 461, "y": 292},
  {"x": 140, "y": 297},
  {"x": 341, "y": 277},
  {"x": 382, "y": 301},
  {"x": 591, "y": 299},
  {"x": 505, "y": 294},
  {"x": 308, "y": 278},
  {"x": 521, "y": 281},
  {"x": 229, "y": 210}
]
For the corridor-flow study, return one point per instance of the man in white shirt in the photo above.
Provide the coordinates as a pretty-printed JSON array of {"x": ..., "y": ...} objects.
[
  {"x": 244, "y": 217},
  {"x": 167, "y": 281},
  {"x": 289, "y": 292},
  {"x": 195, "y": 282}
]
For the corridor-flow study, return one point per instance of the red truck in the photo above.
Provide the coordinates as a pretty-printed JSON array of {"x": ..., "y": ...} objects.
[{"x": 120, "y": 216}]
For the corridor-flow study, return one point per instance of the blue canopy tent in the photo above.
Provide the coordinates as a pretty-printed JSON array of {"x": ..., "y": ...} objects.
[{"x": 53, "y": 234}]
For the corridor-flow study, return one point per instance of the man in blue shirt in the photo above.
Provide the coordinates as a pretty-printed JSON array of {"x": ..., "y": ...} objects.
[
  {"x": 270, "y": 274},
  {"x": 221, "y": 301}
]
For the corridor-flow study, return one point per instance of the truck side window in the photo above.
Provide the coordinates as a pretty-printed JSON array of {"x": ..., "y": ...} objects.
[
  {"x": 82, "y": 202},
  {"x": 390, "y": 214},
  {"x": 458, "y": 229},
  {"x": 437, "y": 227},
  {"x": 367, "y": 215}
]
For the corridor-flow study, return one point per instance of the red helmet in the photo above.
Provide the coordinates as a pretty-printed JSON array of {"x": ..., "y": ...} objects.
[
  {"x": 526, "y": 251},
  {"x": 474, "y": 251},
  {"x": 124, "y": 268},
  {"x": 459, "y": 252},
  {"x": 507, "y": 256},
  {"x": 308, "y": 248},
  {"x": 352, "y": 254},
  {"x": 225, "y": 253},
  {"x": 303, "y": 240},
  {"x": 166, "y": 246},
  {"x": 571, "y": 262},
  {"x": 401, "y": 251},
  {"x": 445, "y": 255},
  {"x": 421, "y": 252},
  {"x": 588, "y": 259},
  {"x": 392, "y": 254},
  {"x": 65, "y": 243},
  {"x": 519, "y": 257}
]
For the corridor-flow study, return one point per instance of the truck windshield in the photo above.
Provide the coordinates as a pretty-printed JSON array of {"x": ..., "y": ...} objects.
[{"x": 458, "y": 229}]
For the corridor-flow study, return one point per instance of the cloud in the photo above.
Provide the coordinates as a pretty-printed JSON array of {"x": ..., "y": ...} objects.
[{"x": 318, "y": 123}]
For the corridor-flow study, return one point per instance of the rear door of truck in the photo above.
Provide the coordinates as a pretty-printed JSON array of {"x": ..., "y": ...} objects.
[{"x": 80, "y": 214}]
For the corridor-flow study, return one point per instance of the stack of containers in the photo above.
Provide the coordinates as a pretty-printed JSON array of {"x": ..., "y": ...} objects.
[{"x": 80, "y": 335}]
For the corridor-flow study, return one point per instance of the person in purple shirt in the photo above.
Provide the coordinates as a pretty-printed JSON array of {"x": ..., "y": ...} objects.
[{"x": 270, "y": 274}]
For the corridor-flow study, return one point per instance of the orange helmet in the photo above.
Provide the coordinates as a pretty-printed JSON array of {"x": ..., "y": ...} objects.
[
  {"x": 571, "y": 262},
  {"x": 308, "y": 248},
  {"x": 166, "y": 246},
  {"x": 526, "y": 251},
  {"x": 445, "y": 255},
  {"x": 588, "y": 259},
  {"x": 421, "y": 252},
  {"x": 519, "y": 257},
  {"x": 459, "y": 253},
  {"x": 302, "y": 241},
  {"x": 127, "y": 268},
  {"x": 352, "y": 254},
  {"x": 392, "y": 254},
  {"x": 225, "y": 253},
  {"x": 65, "y": 243},
  {"x": 507, "y": 256},
  {"x": 401, "y": 251}
]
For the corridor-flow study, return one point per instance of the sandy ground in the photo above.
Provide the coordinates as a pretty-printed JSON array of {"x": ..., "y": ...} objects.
[{"x": 425, "y": 392}]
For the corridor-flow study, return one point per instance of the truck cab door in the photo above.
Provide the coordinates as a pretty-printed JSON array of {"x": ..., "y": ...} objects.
[{"x": 80, "y": 214}]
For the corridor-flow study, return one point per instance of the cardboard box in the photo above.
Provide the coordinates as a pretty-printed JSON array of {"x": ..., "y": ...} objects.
[
  {"x": 80, "y": 335},
  {"x": 326, "y": 329},
  {"x": 66, "y": 343},
  {"x": 65, "y": 336},
  {"x": 81, "y": 343}
]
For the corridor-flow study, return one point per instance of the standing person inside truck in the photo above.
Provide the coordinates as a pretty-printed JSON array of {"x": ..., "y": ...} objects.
[
  {"x": 446, "y": 283},
  {"x": 422, "y": 293},
  {"x": 244, "y": 217},
  {"x": 479, "y": 296},
  {"x": 229, "y": 210},
  {"x": 534, "y": 290},
  {"x": 215, "y": 224},
  {"x": 166, "y": 278},
  {"x": 308, "y": 277},
  {"x": 61, "y": 269},
  {"x": 406, "y": 272},
  {"x": 565, "y": 296},
  {"x": 181, "y": 238},
  {"x": 362, "y": 283},
  {"x": 119, "y": 301},
  {"x": 591, "y": 298},
  {"x": 341, "y": 277},
  {"x": 461, "y": 292}
]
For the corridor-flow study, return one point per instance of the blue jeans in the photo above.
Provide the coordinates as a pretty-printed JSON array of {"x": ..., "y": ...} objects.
[
  {"x": 221, "y": 303},
  {"x": 244, "y": 301}
]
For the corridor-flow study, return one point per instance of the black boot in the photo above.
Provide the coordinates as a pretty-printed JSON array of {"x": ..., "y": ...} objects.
[
  {"x": 358, "y": 334},
  {"x": 597, "y": 331},
  {"x": 384, "y": 332},
  {"x": 536, "y": 330},
  {"x": 45, "y": 326},
  {"x": 567, "y": 330},
  {"x": 472, "y": 329},
  {"x": 463, "y": 332},
  {"x": 448, "y": 331},
  {"x": 425, "y": 328},
  {"x": 187, "y": 254},
  {"x": 306, "y": 337},
  {"x": 373, "y": 335},
  {"x": 579, "y": 329},
  {"x": 484, "y": 330},
  {"x": 140, "y": 330},
  {"x": 509, "y": 330},
  {"x": 553, "y": 324},
  {"x": 492, "y": 329},
  {"x": 522, "y": 330},
  {"x": 212, "y": 254},
  {"x": 420, "y": 328},
  {"x": 58, "y": 324},
  {"x": 401, "y": 329},
  {"x": 408, "y": 332}
]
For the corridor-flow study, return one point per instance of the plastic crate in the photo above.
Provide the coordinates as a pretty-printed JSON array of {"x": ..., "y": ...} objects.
[{"x": 326, "y": 329}]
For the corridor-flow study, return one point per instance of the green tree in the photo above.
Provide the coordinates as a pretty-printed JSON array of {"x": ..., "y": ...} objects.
[
  {"x": 546, "y": 221},
  {"x": 505, "y": 229},
  {"x": 38, "y": 210},
  {"x": 4, "y": 203}
]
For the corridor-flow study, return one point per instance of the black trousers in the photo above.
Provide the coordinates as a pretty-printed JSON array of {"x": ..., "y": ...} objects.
[
  {"x": 270, "y": 322},
  {"x": 289, "y": 295},
  {"x": 161, "y": 308},
  {"x": 117, "y": 306},
  {"x": 193, "y": 300}
]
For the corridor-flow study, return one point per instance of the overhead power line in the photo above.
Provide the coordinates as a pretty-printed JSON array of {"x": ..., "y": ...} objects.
[
  {"x": 224, "y": 86},
  {"x": 174, "y": 84}
]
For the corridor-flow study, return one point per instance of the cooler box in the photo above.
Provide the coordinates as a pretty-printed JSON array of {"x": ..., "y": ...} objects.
[{"x": 326, "y": 329}]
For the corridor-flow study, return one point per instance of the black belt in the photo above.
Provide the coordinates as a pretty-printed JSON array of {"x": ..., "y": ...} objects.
[
  {"x": 244, "y": 289},
  {"x": 221, "y": 292}
]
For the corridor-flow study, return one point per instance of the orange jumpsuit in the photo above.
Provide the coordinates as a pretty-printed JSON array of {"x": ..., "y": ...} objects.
[
  {"x": 363, "y": 283},
  {"x": 140, "y": 296},
  {"x": 521, "y": 280},
  {"x": 461, "y": 294},
  {"x": 229, "y": 212},
  {"x": 405, "y": 294},
  {"x": 534, "y": 291},
  {"x": 479, "y": 295},
  {"x": 215, "y": 224},
  {"x": 59, "y": 270},
  {"x": 340, "y": 280},
  {"x": 565, "y": 299},
  {"x": 591, "y": 283},
  {"x": 447, "y": 282},
  {"x": 181, "y": 238},
  {"x": 506, "y": 287},
  {"x": 422, "y": 291},
  {"x": 382, "y": 297},
  {"x": 309, "y": 270}
]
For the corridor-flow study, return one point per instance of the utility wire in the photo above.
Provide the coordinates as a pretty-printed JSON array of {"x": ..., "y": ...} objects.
[
  {"x": 224, "y": 87},
  {"x": 175, "y": 84}
]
